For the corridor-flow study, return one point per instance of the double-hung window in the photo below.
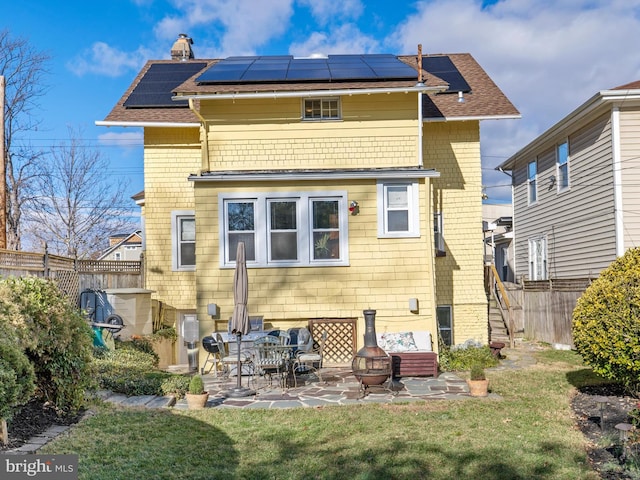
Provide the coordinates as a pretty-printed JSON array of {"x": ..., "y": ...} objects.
[
  {"x": 398, "y": 214},
  {"x": 285, "y": 229},
  {"x": 438, "y": 236},
  {"x": 183, "y": 240},
  {"x": 532, "y": 181},
  {"x": 445, "y": 324},
  {"x": 562, "y": 165},
  {"x": 321, "y": 109}
]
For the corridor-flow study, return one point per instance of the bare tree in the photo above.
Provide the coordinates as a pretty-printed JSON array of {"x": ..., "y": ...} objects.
[
  {"x": 79, "y": 205},
  {"x": 24, "y": 70}
]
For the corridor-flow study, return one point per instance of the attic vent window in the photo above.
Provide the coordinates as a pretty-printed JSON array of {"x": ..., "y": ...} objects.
[{"x": 321, "y": 109}]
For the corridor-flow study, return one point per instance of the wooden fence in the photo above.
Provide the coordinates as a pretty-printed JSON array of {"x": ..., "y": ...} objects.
[
  {"x": 72, "y": 275},
  {"x": 547, "y": 308}
]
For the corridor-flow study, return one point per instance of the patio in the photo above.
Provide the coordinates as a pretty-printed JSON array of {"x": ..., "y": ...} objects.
[{"x": 341, "y": 388}]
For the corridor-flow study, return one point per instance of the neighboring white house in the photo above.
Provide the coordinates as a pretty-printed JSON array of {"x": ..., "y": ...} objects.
[
  {"x": 124, "y": 247},
  {"x": 497, "y": 223},
  {"x": 576, "y": 201}
]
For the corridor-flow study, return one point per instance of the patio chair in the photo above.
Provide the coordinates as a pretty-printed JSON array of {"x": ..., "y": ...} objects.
[
  {"x": 210, "y": 345},
  {"x": 310, "y": 361},
  {"x": 270, "y": 358},
  {"x": 230, "y": 360}
]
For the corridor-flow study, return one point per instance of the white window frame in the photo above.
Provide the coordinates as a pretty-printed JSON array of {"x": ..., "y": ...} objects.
[
  {"x": 532, "y": 183},
  {"x": 413, "y": 209},
  {"x": 538, "y": 263},
  {"x": 563, "y": 169},
  {"x": 324, "y": 107},
  {"x": 304, "y": 208},
  {"x": 438, "y": 234},
  {"x": 449, "y": 309},
  {"x": 117, "y": 256},
  {"x": 176, "y": 262}
]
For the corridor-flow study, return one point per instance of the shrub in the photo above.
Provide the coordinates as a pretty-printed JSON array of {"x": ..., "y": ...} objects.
[
  {"x": 176, "y": 385},
  {"x": 196, "y": 385},
  {"x": 460, "y": 358},
  {"x": 477, "y": 372},
  {"x": 54, "y": 336},
  {"x": 17, "y": 380},
  {"x": 606, "y": 322},
  {"x": 132, "y": 372}
]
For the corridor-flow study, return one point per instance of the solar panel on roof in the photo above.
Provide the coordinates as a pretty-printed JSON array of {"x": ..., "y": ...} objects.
[
  {"x": 443, "y": 67},
  {"x": 156, "y": 86},
  {"x": 290, "y": 69}
]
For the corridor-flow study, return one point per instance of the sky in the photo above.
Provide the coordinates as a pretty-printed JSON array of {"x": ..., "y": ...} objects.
[{"x": 547, "y": 56}]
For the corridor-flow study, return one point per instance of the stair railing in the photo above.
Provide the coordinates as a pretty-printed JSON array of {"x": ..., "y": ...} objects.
[{"x": 499, "y": 293}]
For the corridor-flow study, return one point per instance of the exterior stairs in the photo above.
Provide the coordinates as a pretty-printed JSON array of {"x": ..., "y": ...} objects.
[{"x": 498, "y": 331}]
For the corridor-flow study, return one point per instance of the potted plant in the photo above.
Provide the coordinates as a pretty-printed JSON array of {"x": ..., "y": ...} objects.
[
  {"x": 196, "y": 396},
  {"x": 478, "y": 383}
]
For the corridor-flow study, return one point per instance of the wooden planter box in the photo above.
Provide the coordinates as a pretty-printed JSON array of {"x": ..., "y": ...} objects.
[{"x": 414, "y": 364}]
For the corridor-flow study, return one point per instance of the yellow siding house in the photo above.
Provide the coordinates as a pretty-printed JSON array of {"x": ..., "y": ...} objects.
[{"x": 353, "y": 180}]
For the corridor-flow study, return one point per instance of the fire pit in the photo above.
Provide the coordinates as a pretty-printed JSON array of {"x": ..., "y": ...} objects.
[{"x": 371, "y": 365}]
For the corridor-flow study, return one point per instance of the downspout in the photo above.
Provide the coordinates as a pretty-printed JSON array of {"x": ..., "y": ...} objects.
[
  {"x": 420, "y": 83},
  {"x": 617, "y": 181},
  {"x": 205, "y": 166}
]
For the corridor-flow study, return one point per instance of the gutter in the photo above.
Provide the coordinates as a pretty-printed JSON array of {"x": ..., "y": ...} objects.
[
  {"x": 313, "y": 175},
  {"x": 103, "y": 123},
  {"x": 472, "y": 117},
  {"x": 311, "y": 93}
]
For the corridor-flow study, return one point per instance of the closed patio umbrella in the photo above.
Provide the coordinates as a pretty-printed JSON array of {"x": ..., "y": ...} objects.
[{"x": 240, "y": 318}]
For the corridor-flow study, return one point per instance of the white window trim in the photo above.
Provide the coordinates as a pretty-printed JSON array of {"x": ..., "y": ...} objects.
[
  {"x": 414, "y": 209},
  {"x": 176, "y": 215},
  {"x": 561, "y": 188},
  {"x": 305, "y": 223},
  {"x": 321, "y": 119},
  {"x": 533, "y": 180},
  {"x": 533, "y": 263}
]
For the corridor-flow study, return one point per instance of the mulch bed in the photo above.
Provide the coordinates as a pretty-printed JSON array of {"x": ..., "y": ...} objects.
[
  {"x": 32, "y": 419},
  {"x": 603, "y": 455}
]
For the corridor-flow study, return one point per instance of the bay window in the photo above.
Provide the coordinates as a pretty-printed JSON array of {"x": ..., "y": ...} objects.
[{"x": 285, "y": 228}]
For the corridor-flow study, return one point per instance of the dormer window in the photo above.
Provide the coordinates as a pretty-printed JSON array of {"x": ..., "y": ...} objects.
[{"x": 321, "y": 109}]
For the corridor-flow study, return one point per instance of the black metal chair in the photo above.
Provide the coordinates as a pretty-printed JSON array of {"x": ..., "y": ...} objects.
[{"x": 213, "y": 354}]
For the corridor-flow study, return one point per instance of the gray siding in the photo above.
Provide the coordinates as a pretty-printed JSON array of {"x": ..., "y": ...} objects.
[
  {"x": 630, "y": 165},
  {"x": 579, "y": 222}
]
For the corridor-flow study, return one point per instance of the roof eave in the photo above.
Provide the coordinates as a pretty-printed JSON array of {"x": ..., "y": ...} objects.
[
  {"x": 602, "y": 99},
  {"x": 274, "y": 176},
  {"x": 464, "y": 118},
  {"x": 311, "y": 93},
  {"x": 113, "y": 123}
]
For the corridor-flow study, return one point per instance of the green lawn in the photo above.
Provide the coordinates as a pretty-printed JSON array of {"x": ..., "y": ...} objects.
[{"x": 527, "y": 434}]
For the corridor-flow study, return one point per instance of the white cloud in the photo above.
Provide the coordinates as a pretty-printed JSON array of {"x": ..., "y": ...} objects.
[
  {"x": 129, "y": 139},
  {"x": 547, "y": 56},
  {"x": 344, "y": 39},
  {"x": 102, "y": 59},
  {"x": 330, "y": 11},
  {"x": 243, "y": 25}
]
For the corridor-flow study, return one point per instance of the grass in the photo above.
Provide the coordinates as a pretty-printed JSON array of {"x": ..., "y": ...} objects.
[{"x": 527, "y": 434}]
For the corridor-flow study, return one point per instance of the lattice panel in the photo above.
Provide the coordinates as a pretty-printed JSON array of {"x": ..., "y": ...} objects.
[
  {"x": 340, "y": 346},
  {"x": 69, "y": 282}
]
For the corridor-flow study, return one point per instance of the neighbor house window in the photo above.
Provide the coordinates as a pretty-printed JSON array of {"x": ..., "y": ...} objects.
[
  {"x": 532, "y": 181},
  {"x": 445, "y": 329},
  {"x": 321, "y": 109},
  {"x": 117, "y": 256},
  {"x": 562, "y": 163},
  {"x": 438, "y": 237},
  {"x": 538, "y": 258},
  {"x": 398, "y": 214},
  {"x": 183, "y": 236},
  {"x": 285, "y": 229}
]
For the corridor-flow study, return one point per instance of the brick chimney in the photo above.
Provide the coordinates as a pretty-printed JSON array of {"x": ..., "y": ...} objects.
[{"x": 181, "y": 49}]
